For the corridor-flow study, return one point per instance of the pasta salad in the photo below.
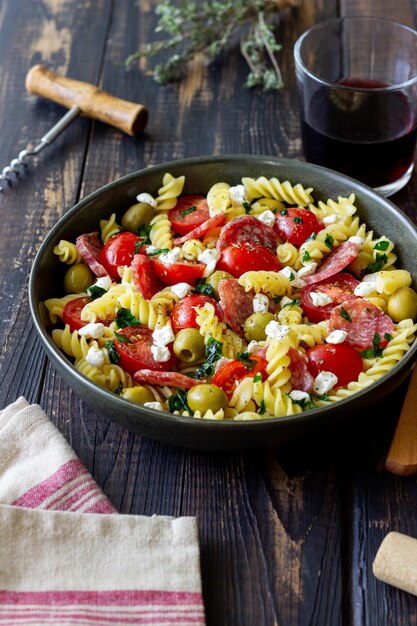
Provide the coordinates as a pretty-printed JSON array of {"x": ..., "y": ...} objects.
[{"x": 253, "y": 301}]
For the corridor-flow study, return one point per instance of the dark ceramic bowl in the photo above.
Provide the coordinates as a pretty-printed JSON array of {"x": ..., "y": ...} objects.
[{"x": 47, "y": 273}]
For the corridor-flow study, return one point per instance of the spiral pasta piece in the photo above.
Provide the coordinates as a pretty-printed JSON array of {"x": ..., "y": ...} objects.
[
  {"x": 266, "y": 204},
  {"x": 161, "y": 232},
  {"x": 191, "y": 249},
  {"x": 387, "y": 282},
  {"x": 103, "y": 308},
  {"x": 271, "y": 283},
  {"x": 109, "y": 228},
  {"x": 288, "y": 254},
  {"x": 168, "y": 194},
  {"x": 218, "y": 198},
  {"x": 344, "y": 207},
  {"x": 67, "y": 252},
  {"x": 263, "y": 187},
  {"x": 290, "y": 314},
  {"x": 148, "y": 312},
  {"x": 55, "y": 306},
  {"x": 278, "y": 363},
  {"x": 309, "y": 334}
]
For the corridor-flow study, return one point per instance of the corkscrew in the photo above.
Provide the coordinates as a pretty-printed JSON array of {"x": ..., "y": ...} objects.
[{"x": 81, "y": 99}]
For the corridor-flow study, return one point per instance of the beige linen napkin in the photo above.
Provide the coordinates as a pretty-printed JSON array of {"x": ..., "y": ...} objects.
[{"x": 60, "y": 566}]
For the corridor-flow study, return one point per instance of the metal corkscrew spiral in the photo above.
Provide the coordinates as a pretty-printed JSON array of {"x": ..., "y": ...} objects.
[{"x": 78, "y": 97}]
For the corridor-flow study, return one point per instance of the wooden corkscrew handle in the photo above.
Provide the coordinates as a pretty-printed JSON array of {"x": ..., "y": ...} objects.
[
  {"x": 402, "y": 455},
  {"x": 93, "y": 102}
]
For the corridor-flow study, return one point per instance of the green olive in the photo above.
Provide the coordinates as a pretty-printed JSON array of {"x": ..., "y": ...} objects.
[
  {"x": 204, "y": 397},
  {"x": 402, "y": 304},
  {"x": 139, "y": 214},
  {"x": 255, "y": 324},
  {"x": 77, "y": 278},
  {"x": 189, "y": 345},
  {"x": 215, "y": 279},
  {"x": 138, "y": 394}
]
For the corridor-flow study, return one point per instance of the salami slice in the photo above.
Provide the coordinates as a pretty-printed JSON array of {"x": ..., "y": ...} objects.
[
  {"x": 249, "y": 229},
  {"x": 144, "y": 277},
  {"x": 361, "y": 320},
  {"x": 236, "y": 304},
  {"x": 170, "y": 379},
  {"x": 301, "y": 379},
  {"x": 90, "y": 246},
  {"x": 335, "y": 262},
  {"x": 199, "y": 231}
]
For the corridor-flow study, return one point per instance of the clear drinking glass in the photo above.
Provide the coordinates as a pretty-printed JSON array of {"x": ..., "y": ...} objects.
[{"x": 357, "y": 84}]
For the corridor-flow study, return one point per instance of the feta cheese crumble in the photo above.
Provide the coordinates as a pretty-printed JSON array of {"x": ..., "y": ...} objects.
[
  {"x": 324, "y": 382},
  {"x": 154, "y": 405},
  {"x": 337, "y": 336},
  {"x": 95, "y": 357},
  {"x": 365, "y": 288},
  {"x": 93, "y": 330},
  {"x": 275, "y": 330},
  {"x": 171, "y": 257},
  {"x": 209, "y": 257},
  {"x": 252, "y": 346},
  {"x": 358, "y": 240},
  {"x": 267, "y": 217},
  {"x": 307, "y": 270},
  {"x": 298, "y": 396},
  {"x": 147, "y": 199},
  {"x": 181, "y": 289},
  {"x": 330, "y": 219},
  {"x": 260, "y": 303},
  {"x": 104, "y": 282},
  {"x": 237, "y": 195},
  {"x": 161, "y": 354},
  {"x": 163, "y": 336},
  {"x": 292, "y": 276},
  {"x": 320, "y": 299}
]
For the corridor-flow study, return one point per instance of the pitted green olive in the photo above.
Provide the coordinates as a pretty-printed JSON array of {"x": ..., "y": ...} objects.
[
  {"x": 138, "y": 394},
  {"x": 77, "y": 278},
  {"x": 189, "y": 345},
  {"x": 215, "y": 279},
  {"x": 139, "y": 214},
  {"x": 255, "y": 324},
  {"x": 403, "y": 304},
  {"x": 204, "y": 397}
]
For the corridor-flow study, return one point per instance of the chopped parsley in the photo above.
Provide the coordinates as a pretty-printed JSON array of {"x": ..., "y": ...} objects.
[
  {"x": 388, "y": 337},
  {"x": 113, "y": 354},
  {"x": 246, "y": 206},
  {"x": 214, "y": 352},
  {"x": 178, "y": 401},
  {"x": 118, "y": 389},
  {"x": 262, "y": 407},
  {"x": 283, "y": 212},
  {"x": 377, "y": 265},
  {"x": 295, "y": 302},
  {"x": 188, "y": 211},
  {"x": 142, "y": 232},
  {"x": 305, "y": 404},
  {"x": 244, "y": 357},
  {"x": 298, "y": 220},
  {"x": 343, "y": 313},
  {"x": 306, "y": 256},
  {"x": 95, "y": 292},
  {"x": 201, "y": 286},
  {"x": 125, "y": 318},
  {"x": 291, "y": 277},
  {"x": 120, "y": 337},
  {"x": 257, "y": 378},
  {"x": 329, "y": 241},
  {"x": 381, "y": 245}
]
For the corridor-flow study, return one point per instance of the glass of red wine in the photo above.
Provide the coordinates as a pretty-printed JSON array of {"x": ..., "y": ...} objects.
[{"x": 357, "y": 87}]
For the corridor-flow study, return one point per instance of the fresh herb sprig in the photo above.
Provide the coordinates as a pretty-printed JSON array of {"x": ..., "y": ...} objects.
[{"x": 207, "y": 28}]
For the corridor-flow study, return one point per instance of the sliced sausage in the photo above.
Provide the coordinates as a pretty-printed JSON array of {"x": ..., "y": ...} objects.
[{"x": 90, "y": 246}]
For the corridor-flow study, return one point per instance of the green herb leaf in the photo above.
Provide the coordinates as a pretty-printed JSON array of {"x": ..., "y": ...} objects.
[
  {"x": 306, "y": 256},
  {"x": 262, "y": 407},
  {"x": 376, "y": 341},
  {"x": 142, "y": 232},
  {"x": 298, "y": 220},
  {"x": 388, "y": 337},
  {"x": 118, "y": 389},
  {"x": 377, "y": 265},
  {"x": 246, "y": 206},
  {"x": 257, "y": 378},
  {"x": 305, "y": 404},
  {"x": 120, "y": 337},
  {"x": 295, "y": 302},
  {"x": 125, "y": 318},
  {"x": 191, "y": 209},
  {"x": 343, "y": 313},
  {"x": 113, "y": 354},
  {"x": 178, "y": 401},
  {"x": 329, "y": 241},
  {"x": 283, "y": 212},
  {"x": 213, "y": 353},
  {"x": 244, "y": 357},
  {"x": 95, "y": 292},
  {"x": 381, "y": 245},
  {"x": 201, "y": 286},
  {"x": 291, "y": 276}
]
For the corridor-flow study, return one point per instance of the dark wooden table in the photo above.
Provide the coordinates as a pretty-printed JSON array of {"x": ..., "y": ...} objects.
[{"x": 287, "y": 537}]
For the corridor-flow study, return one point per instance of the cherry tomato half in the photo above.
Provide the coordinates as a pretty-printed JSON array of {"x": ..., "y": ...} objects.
[
  {"x": 339, "y": 288},
  {"x": 118, "y": 251},
  {"x": 188, "y": 213},
  {"x": 244, "y": 257},
  {"x": 72, "y": 313},
  {"x": 296, "y": 225},
  {"x": 230, "y": 374},
  {"x": 135, "y": 351},
  {"x": 184, "y": 313},
  {"x": 179, "y": 272},
  {"x": 340, "y": 359}
]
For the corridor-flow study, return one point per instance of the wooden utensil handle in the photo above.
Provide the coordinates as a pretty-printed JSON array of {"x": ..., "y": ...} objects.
[
  {"x": 129, "y": 117},
  {"x": 402, "y": 455}
]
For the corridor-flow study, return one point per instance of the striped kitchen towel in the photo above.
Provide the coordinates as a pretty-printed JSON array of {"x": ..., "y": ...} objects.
[{"x": 60, "y": 566}]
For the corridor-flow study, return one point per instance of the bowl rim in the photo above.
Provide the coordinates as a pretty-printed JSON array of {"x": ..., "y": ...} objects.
[{"x": 59, "y": 358}]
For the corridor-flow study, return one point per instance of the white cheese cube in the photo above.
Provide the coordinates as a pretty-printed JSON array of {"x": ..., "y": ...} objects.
[
  {"x": 154, "y": 405},
  {"x": 298, "y": 396},
  {"x": 104, "y": 282},
  {"x": 364, "y": 289},
  {"x": 307, "y": 270},
  {"x": 95, "y": 357},
  {"x": 275, "y": 330},
  {"x": 293, "y": 277},
  {"x": 237, "y": 195},
  {"x": 161, "y": 354},
  {"x": 358, "y": 240},
  {"x": 330, "y": 219},
  {"x": 147, "y": 199},
  {"x": 337, "y": 336},
  {"x": 171, "y": 257},
  {"x": 260, "y": 303},
  {"x": 93, "y": 330},
  {"x": 320, "y": 299},
  {"x": 267, "y": 217},
  {"x": 163, "y": 336},
  {"x": 324, "y": 382},
  {"x": 181, "y": 289}
]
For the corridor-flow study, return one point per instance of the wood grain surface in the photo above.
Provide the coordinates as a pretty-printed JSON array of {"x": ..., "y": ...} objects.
[{"x": 287, "y": 537}]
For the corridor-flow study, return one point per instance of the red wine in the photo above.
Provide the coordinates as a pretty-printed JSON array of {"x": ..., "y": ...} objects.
[{"x": 368, "y": 135}]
